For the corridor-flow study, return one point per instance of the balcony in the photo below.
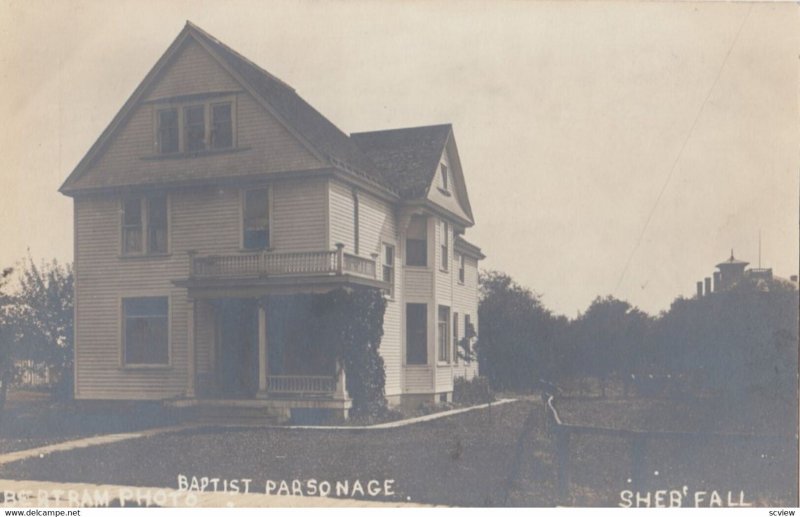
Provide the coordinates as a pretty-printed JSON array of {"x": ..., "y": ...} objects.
[{"x": 279, "y": 264}]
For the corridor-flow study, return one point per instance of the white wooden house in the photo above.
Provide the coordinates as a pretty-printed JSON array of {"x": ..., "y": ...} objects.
[{"x": 215, "y": 197}]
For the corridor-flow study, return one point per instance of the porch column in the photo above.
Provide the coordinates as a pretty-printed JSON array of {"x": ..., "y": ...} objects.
[
  {"x": 341, "y": 383},
  {"x": 191, "y": 349},
  {"x": 263, "y": 360}
]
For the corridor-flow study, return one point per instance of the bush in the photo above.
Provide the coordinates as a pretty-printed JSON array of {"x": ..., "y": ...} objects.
[{"x": 471, "y": 392}]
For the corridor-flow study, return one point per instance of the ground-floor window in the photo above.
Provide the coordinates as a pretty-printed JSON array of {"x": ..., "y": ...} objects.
[
  {"x": 469, "y": 332},
  {"x": 444, "y": 333},
  {"x": 416, "y": 333},
  {"x": 145, "y": 331}
]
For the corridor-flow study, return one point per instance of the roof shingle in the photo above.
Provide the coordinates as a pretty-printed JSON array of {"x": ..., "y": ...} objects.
[{"x": 408, "y": 158}]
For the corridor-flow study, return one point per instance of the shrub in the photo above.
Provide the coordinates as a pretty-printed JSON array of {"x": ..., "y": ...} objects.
[{"x": 474, "y": 391}]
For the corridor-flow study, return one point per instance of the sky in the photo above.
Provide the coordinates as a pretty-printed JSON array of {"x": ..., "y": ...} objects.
[{"x": 609, "y": 148}]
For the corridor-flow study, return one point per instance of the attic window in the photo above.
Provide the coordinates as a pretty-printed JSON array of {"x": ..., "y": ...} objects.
[
  {"x": 443, "y": 174},
  {"x": 194, "y": 125},
  {"x": 195, "y": 128},
  {"x": 168, "y": 131}
]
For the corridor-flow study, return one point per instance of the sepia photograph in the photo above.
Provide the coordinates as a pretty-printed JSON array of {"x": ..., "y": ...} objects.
[{"x": 399, "y": 254}]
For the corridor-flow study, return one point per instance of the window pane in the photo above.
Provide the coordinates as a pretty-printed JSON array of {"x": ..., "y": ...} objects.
[
  {"x": 195, "y": 127},
  {"x": 418, "y": 227},
  {"x": 132, "y": 226},
  {"x": 256, "y": 219},
  {"x": 416, "y": 333},
  {"x": 146, "y": 330},
  {"x": 168, "y": 131},
  {"x": 444, "y": 335},
  {"x": 133, "y": 212},
  {"x": 222, "y": 126},
  {"x": 157, "y": 224},
  {"x": 444, "y": 176}
]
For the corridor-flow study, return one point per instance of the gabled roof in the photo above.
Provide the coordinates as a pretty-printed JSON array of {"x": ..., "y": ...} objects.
[
  {"x": 400, "y": 162},
  {"x": 321, "y": 136},
  {"x": 408, "y": 157}
]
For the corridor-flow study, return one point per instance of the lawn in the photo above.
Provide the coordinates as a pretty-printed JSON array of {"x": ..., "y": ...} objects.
[
  {"x": 32, "y": 419},
  {"x": 500, "y": 456},
  {"x": 485, "y": 457}
]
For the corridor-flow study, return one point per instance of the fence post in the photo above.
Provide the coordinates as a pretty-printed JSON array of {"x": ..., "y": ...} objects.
[
  {"x": 638, "y": 452},
  {"x": 562, "y": 458}
]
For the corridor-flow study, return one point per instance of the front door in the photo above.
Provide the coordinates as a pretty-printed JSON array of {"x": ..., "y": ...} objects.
[{"x": 237, "y": 348}]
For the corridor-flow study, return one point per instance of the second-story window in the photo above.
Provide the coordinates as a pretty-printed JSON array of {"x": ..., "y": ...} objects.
[
  {"x": 356, "y": 229},
  {"x": 388, "y": 267},
  {"x": 417, "y": 241},
  {"x": 256, "y": 219},
  {"x": 194, "y": 128},
  {"x": 132, "y": 226},
  {"x": 445, "y": 246},
  {"x": 144, "y": 225},
  {"x": 157, "y": 224},
  {"x": 461, "y": 271}
]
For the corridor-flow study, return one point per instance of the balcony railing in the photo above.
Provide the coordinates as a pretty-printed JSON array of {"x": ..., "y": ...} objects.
[{"x": 265, "y": 263}]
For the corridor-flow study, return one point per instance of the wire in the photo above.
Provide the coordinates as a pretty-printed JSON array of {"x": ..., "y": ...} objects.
[{"x": 680, "y": 152}]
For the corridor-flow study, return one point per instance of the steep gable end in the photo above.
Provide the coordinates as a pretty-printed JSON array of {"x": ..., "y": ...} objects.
[
  {"x": 410, "y": 159},
  {"x": 275, "y": 129}
]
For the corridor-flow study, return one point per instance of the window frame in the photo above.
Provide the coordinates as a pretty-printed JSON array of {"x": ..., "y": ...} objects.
[
  {"x": 243, "y": 211},
  {"x": 423, "y": 332},
  {"x": 180, "y": 106},
  {"x": 443, "y": 335},
  {"x": 468, "y": 348},
  {"x": 455, "y": 337},
  {"x": 423, "y": 240},
  {"x": 444, "y": 262},
  {"x": 462, "y": 269},
  {"x": 213, "y": 125},
  {"x": 388, "y": 266},
  {"x": 443, "y": 175},
  {"x": 144, "y": 210},
  {"x": 122, "y": 331},
  {"x": 159, "y": 132}
]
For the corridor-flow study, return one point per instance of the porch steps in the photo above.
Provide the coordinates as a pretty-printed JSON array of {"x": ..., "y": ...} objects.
[{"x": 231, "y": 415}]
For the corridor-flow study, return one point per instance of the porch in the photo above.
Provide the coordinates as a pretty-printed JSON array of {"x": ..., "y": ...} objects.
[{"x": 266, "y": 352}]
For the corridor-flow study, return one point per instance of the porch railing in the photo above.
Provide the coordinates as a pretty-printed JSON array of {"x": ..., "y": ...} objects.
[
  {"x": 264, "y": 263},
  {"x": 301, "y": 384}
]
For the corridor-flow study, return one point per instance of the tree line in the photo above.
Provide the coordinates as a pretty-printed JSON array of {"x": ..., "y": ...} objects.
[{"x": 738, "y": 342}]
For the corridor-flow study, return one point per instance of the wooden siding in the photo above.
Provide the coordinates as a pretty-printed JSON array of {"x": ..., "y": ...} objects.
[
  {"x": 204, "y": 220},
  {"x": 263, "y": 144},
  {"x": 341, "y": 215},
  {"x": 298, "y": 215},
  {"x": 450, "y": 202},
  {"x": 377, "y": 225},
  {"x": 419, "y": 379}
]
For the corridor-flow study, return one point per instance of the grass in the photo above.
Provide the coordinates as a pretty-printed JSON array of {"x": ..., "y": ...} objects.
[
  {"x": 467, "y": 459},
  {"x": 32, "y": 419},
  {"x": 501, "y": 456}
]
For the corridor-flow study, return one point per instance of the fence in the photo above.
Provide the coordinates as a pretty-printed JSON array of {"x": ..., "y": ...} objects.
[{"x": 640, "y": 447}]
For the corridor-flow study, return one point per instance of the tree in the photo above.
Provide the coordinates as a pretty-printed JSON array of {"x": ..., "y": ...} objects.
[
  {"x": 610, "y": 336},
  {"x": 6, "y": 356},
  {"x": 40, "y": 319},
  {"x": 517, "y": 334}
]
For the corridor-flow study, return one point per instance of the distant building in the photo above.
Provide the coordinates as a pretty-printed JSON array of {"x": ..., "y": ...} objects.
[{"x": 733, "y": 272}]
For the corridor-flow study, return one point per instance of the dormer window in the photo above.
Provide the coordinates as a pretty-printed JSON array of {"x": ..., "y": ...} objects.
[{"x": 195, "y": 128}]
